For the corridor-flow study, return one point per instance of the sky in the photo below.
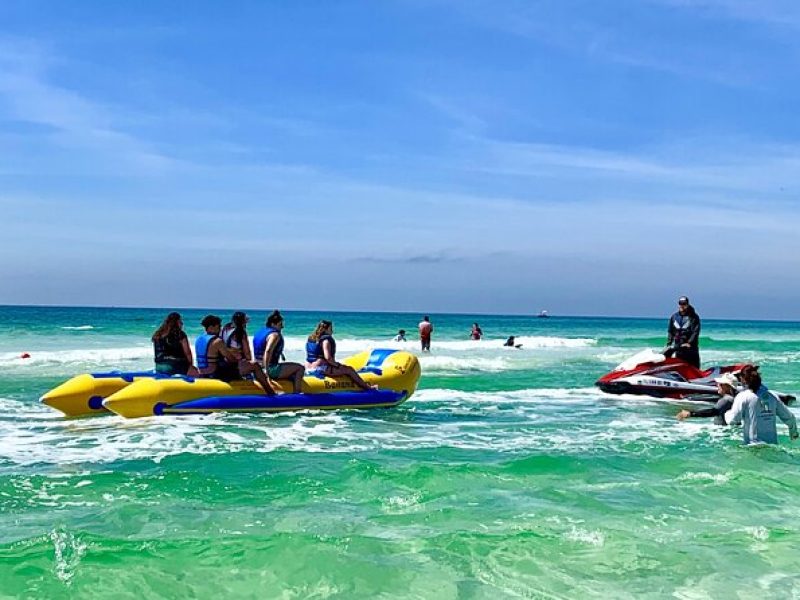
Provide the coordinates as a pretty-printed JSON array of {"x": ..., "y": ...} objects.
[{"x": 588, "y": 157}]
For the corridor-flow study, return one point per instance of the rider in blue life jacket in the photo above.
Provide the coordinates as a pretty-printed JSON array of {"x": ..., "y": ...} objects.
[
  {"x": 268, "y": 349},
  {"x": 321, "y": 356},
  {"x": 220, "y": 360}
]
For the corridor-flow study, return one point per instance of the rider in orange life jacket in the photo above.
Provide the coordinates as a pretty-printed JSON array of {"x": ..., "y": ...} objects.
[{"x": 683, "y": 334}]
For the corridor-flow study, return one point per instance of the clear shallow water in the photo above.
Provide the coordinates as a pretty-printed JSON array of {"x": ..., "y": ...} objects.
[{"x": 506, "y": 475}]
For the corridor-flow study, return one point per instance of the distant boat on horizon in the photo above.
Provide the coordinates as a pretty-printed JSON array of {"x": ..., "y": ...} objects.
[{"x": 543, "y": 315}]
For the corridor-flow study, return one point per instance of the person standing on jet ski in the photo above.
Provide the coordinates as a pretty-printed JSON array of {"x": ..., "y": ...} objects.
[{"x": 684, "y": 334}]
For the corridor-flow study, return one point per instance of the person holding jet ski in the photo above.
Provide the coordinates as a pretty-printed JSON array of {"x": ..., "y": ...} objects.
[{"x": 683, "y": 334}]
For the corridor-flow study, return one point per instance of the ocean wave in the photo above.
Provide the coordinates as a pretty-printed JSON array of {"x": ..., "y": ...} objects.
[
  {"x": 528, "y": 342},
  {"x": 89, "y": 356},
  {"x": 77, "y": 327},
  {"x": 569, "y": 421},
  {"x": 458, "y": 364}
]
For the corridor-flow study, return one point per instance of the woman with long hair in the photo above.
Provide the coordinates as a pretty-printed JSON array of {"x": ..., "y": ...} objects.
[
  {"x": 173, "y": 356},
  {"x": 321, "y": 356},
  {"x": 234, "y": 337},
  {"x": 268, "y": 349}
]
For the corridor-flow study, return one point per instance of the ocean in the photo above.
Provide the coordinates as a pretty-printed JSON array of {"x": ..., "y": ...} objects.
[{"x": 507, "y": 475}]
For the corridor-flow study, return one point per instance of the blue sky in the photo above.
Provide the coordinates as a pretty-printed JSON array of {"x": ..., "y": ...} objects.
[{"x": 588, "y": 157}]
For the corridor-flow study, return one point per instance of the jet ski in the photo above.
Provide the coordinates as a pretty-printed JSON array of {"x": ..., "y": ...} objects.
[{"x": 649, "y": 373}]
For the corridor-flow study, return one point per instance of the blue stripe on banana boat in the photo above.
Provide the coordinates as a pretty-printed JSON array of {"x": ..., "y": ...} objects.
[{"x": 283, "y": 402}]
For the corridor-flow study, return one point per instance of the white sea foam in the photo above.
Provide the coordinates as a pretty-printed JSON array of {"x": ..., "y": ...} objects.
[
  {"x": 712, "y": 478},
  {"x": 461, "y": 364},
  {"x": 528, "y": 342},
  {"x": 77, "y": 327},
  {"x": 109, "y": 357},
  {"x": 68, "y": 551},
  {"x": 561, "y": 420},
  {"x": 585, "y": 536}
]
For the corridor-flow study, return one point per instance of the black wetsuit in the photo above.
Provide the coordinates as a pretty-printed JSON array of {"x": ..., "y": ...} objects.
[
  {"x": 722, "y": 406},
  {"x": 684, "y": 329}
]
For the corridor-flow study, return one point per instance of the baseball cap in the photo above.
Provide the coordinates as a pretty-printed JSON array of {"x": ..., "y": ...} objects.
[{"x": 727, "y": 379}]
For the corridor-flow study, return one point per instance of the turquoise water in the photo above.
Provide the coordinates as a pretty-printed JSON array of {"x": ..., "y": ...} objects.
[{"x": 507, "y": 475}]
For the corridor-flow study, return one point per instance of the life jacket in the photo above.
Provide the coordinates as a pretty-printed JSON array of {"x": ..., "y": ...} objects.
[
  {"x": 260, "y": 345},
  {"x": 169, "y": 349},
  {"x": 230, "y": 341},
  {"x": 227, "y": 336},
  {"x": 314, "y": 349},
  {"x": 201, "y": 350},
  {"x": 681, "y": 324}
]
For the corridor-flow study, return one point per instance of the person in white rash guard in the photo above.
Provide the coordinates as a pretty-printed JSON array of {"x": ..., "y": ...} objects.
[{"x": 756, "y": 408}]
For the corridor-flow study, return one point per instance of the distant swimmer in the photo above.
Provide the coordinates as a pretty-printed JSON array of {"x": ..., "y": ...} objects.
[
  {"x": 510, "y": 342},
  {"x": 401, "y": 336},
  {"x": 476, "y": 333},
  {"x": 726, "y": 386},
  {"x": 756, "y": 408},
  {"x": 321, "y": 356},
  {"x": 173, "y": 356},
  {"x": 268, "y": 349},
  {"x": 425, "y": 331},
  {"x": 683, "y": 334}
]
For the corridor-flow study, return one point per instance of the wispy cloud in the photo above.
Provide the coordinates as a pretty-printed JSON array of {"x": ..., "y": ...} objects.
[
  {"x": 75, "y": 121},
  {"x": 434, "y": 258},
  {"x": 784, "y": 13}
]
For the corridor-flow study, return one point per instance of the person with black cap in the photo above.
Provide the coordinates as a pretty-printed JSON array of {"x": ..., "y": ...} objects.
[{"x": 683, "y": 334}]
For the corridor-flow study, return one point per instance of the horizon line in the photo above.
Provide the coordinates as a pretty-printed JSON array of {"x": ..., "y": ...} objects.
[{"x": 385, "y": 312}]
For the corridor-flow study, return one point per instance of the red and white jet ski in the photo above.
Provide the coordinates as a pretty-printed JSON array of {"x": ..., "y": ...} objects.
[{"x": 652, "y": 374}]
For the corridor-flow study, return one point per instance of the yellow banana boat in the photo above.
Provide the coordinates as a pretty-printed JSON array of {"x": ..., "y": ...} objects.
[
  {"x": 395, "y": 372},
  {"x": 83, "y": 395}
]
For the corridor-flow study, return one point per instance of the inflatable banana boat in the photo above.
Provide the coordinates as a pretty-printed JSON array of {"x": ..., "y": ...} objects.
[{"x": 147, "y": 394}]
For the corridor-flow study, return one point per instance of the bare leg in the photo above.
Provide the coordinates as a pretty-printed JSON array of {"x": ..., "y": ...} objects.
[
  {"x": 258, "y": 372},
  {"x": 294, "y": 372},
  {"x": 350, "y": 372}
]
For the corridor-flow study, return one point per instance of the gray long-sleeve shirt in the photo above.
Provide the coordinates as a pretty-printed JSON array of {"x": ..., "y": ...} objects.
[{"x": 756, "y": 412}]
